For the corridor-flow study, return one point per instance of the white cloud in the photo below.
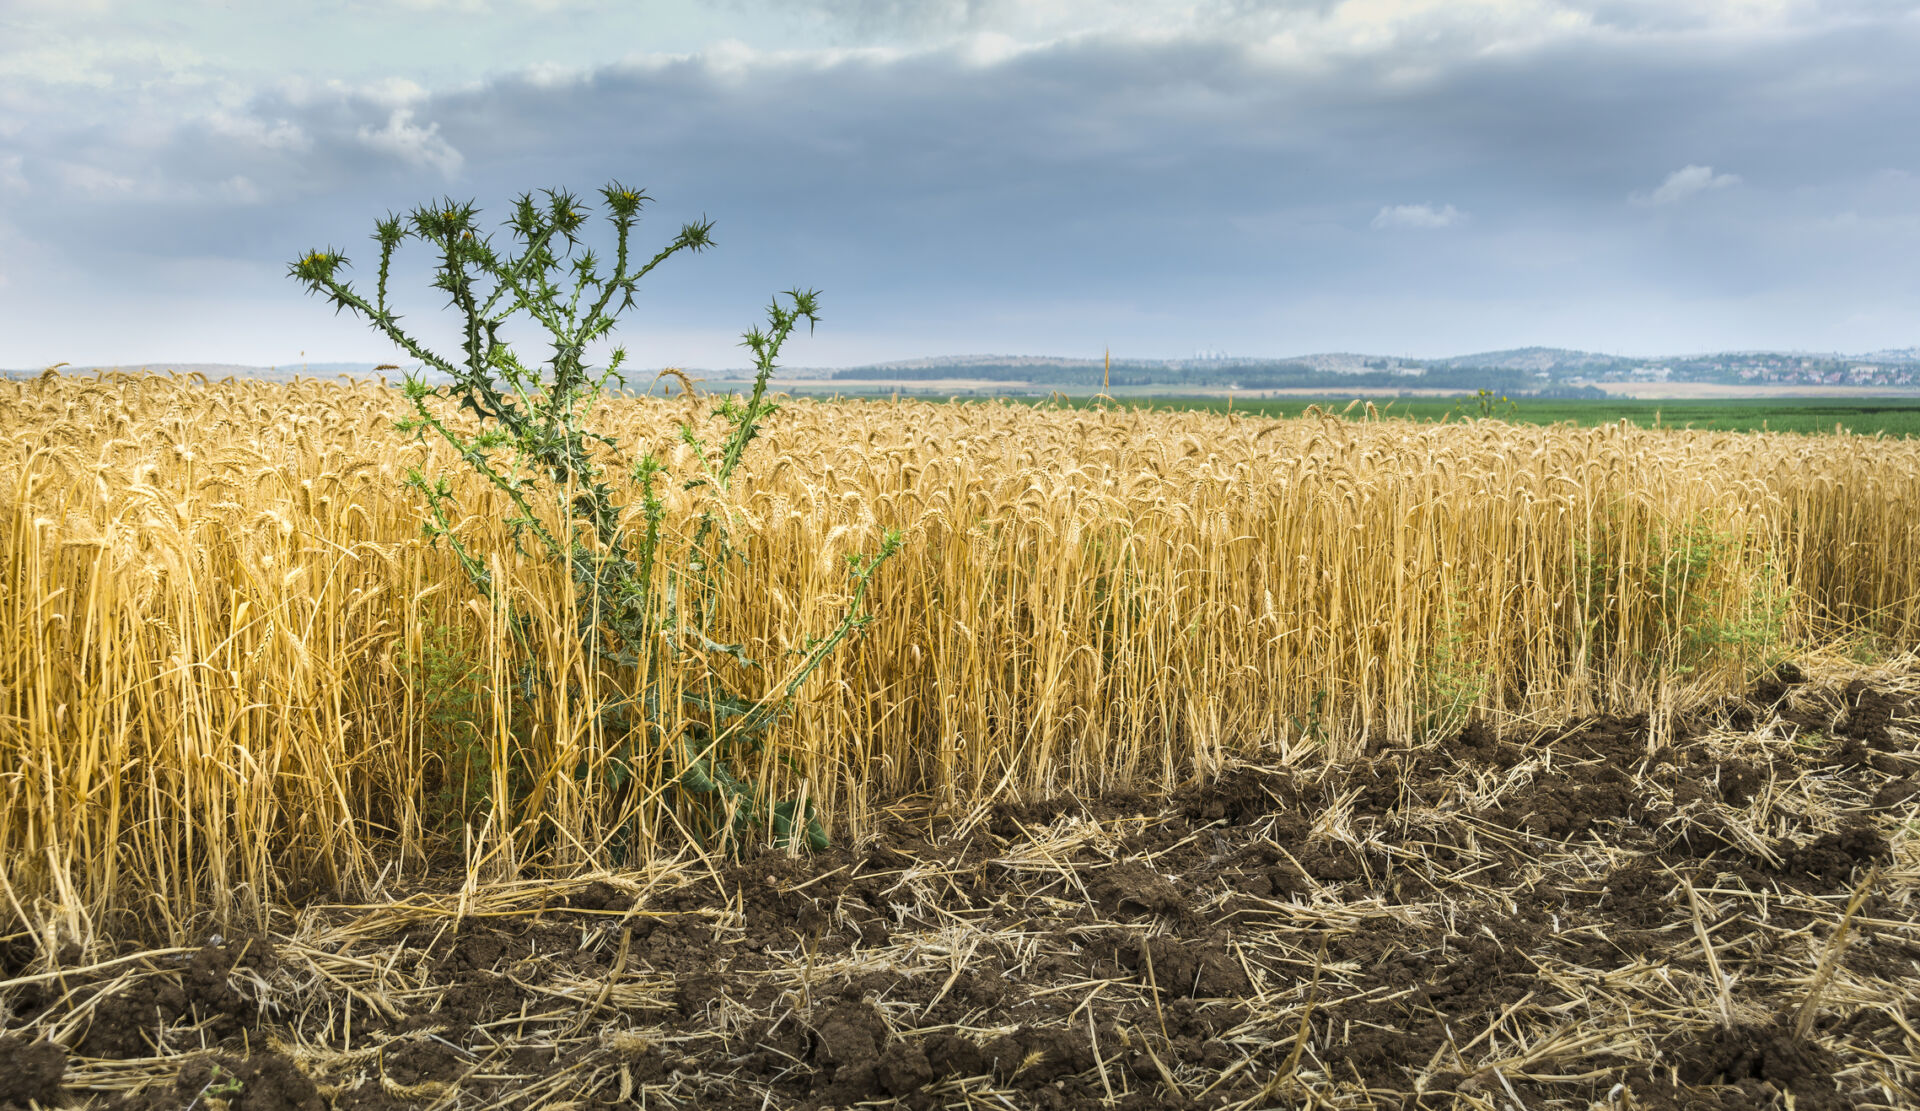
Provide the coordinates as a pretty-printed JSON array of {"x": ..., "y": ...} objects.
[
  {"x": 11, "y": 179},
  {"x": 554, "y": 75},
  {"x": 990, "y": 48},
  {"x": 241, "y": 190},
  {"x": 1292, "y": 31},
  {"x": 412, "y": 144},
  {"x": 1417, "y": 216},
  {"x": 280, "y": 135},
  {"x": 1684, "y": 183},
  {"x": 392, "y": 92},
  {"x": 471, "y": 7},
  {"x": 64, "y": 60},
  {"x": 65, "y": 65},
  {"x": 387, "y": 92},
  {"x": 96, "y": 182}
]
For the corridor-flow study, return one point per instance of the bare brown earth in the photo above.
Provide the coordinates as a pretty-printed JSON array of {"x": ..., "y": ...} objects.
[{"x": 1588, "y": 915}]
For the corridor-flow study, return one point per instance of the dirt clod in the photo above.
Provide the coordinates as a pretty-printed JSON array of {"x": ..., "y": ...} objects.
[
  {"x": 30, "y": 1071},
  {"x": 1136, "y": 888},
  {"x": 1204, "y": 970},
  {"x": 1769, "y": 1055}
]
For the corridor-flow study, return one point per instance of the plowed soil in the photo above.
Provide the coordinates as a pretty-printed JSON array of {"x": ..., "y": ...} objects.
[{"x": 1598, "y": 914}]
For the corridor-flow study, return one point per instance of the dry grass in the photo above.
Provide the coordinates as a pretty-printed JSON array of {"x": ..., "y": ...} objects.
[{"x": 214, "y": 612}]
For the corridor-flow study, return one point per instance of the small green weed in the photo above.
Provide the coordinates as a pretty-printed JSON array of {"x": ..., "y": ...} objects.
[
  {"x": 1687, "y": 593},
  {"x": 1453, "y": 680},
  {"x": 1312, "y": 727},
  {"x": 1486, "y": 403},
  {"x": 222, "y": 1085},
  {"x": 447, "y": 677},
  {"x": 1811, "y": 740}
]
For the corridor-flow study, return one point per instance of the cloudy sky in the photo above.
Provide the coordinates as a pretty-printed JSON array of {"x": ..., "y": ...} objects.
[{"x": 1424, "y": 177}]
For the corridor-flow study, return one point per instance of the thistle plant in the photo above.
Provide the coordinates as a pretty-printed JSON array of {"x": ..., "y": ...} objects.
[{"x": 677, "y": 711}]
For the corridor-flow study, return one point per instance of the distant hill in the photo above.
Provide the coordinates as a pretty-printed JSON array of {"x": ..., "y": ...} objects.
[
  {"x": 220, "y": 370},
  {"x": 1541, "y": 360},
  {"x": 1526, "y": 370},
  {"x": 1522, "y": 370},
  {"x": 1538, "y": 359}
]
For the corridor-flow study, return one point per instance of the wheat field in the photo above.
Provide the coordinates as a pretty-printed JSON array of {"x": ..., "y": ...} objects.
[{"x": 232, "y": 674}]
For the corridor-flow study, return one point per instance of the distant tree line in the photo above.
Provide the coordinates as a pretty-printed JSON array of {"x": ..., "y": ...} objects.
[{"x": 1244, "y": 376}]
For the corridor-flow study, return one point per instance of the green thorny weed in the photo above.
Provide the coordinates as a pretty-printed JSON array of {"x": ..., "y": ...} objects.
[
  {"x": 1685, "y": 572},
  {"x": 449, "y": 698},
  {"x": 1454, "y": 679},
  {"x": 641, "y": 620},
  {"x": 1486, "y": 405}
]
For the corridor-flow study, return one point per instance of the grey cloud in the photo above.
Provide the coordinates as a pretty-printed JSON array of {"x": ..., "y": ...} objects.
[
  {"x": 1142, "y": 189},
  {"x": 1466, "y": 25},
  {"x": 1424, "y": 216},
  {"x": 877, "y": 17}
]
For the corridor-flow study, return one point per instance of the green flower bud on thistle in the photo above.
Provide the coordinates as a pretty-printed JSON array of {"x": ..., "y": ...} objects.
[
  {"x": 318, "y": 266},
  {"x": 389, "y": 231},
  {"x": 623, "y": 201},
  {"x": 697, "y": 237}
]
